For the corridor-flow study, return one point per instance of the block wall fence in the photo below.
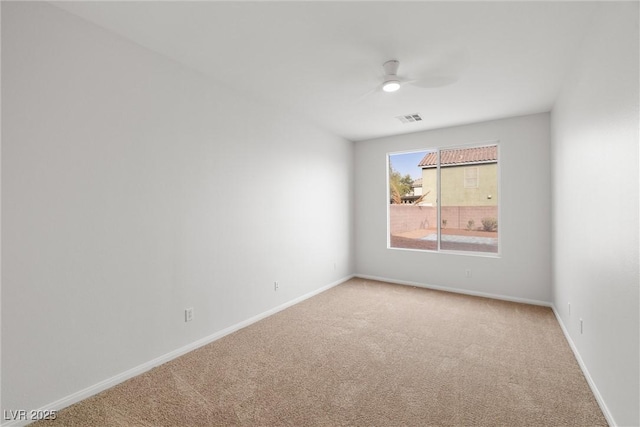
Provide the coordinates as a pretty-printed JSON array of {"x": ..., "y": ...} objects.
[{"x": 411, "y": 217}]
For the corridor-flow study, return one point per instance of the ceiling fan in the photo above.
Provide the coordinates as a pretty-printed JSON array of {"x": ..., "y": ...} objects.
[{"x": 392, "y": 82}]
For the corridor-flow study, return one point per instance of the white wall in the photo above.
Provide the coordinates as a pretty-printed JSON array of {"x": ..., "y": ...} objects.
[
  {"x": 595, "y": 207},
  {"x": 523, "y": 270},
  {"x": 127, "y": 196}
]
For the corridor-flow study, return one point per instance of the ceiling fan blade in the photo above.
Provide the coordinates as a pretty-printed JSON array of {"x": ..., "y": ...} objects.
[
  {"x": 442, "y": 69},
  {"x": 369, "y": 93},
  {"x": 434, "y": 81}
]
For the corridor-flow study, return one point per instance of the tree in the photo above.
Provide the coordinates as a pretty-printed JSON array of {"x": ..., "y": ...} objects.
[{"x": 399, "y": 185}]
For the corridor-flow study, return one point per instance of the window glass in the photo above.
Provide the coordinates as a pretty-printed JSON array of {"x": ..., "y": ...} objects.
[{"x": 444, "y": 199}]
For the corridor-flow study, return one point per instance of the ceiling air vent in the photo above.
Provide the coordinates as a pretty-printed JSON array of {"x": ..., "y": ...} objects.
[{"x": 410, "y": 118}]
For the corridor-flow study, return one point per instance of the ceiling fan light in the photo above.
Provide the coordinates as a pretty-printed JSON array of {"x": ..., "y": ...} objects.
[{"x": 391, "y": 86}]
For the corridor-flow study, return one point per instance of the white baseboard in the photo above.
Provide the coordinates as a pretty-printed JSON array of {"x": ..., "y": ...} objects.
[
  {"x": 140, "y": 369},
  {"x": 585, "y": 371},
  {"x": 457, "y": 290}
]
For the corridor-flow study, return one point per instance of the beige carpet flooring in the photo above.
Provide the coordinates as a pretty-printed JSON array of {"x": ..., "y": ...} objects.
[{"x": 365, "y": 353}]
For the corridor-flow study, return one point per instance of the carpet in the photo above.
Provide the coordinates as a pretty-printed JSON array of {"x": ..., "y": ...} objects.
[{"x": 365, "y": 353}]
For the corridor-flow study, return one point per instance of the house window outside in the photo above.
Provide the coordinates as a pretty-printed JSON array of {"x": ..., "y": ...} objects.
[
  {"x": 457, "y": 211},
  {"x": 471, "y": 177}
]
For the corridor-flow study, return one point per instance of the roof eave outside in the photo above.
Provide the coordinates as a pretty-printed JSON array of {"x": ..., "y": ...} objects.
[{"x": 459, "y": 164}]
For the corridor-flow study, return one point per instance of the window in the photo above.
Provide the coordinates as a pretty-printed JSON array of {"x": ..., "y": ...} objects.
[
  {"x": 457, "y": 203},
  {"x": 471, "y": 177}
]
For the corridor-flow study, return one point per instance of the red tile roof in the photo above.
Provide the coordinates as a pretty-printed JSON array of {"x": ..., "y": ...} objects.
[{"x": 459, "y": 156}]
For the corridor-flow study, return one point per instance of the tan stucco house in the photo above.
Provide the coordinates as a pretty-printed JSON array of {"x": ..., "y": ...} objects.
[{"x": 469, "y": 177}]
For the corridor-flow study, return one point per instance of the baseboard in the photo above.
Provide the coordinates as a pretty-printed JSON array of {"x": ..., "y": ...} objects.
[
  {"x": 140, "y": 369},
  {"x": 585, "y": 371},
  {"x": 456, "y": 290}
]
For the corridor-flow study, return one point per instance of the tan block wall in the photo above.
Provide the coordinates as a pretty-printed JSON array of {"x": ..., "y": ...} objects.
[
  {"x": 410, "y": 217},
  {"x": 459, "y": 216}
]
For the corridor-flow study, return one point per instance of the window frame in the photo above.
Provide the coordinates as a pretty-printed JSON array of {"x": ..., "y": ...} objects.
[{"x": 438, "y": 150}]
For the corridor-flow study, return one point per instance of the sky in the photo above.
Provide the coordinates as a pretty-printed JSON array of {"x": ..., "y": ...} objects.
[{"x": 407, "y": 163}]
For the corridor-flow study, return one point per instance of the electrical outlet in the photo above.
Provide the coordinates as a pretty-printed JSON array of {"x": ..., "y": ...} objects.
[
  {"x": 276, "y": 285},
  {"x": 188, "y": 314},
  {"x": 467, "y": 273}
]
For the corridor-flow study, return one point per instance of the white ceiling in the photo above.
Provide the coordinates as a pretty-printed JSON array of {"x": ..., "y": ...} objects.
[{"x": 321, "y": 58}]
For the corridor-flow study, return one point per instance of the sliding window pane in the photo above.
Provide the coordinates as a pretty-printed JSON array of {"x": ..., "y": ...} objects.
[
  {"x": 469, "y": 193},
  {"x": 413, "y": 192}
]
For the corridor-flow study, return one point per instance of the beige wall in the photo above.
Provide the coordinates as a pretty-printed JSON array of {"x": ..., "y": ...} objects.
[
  {"x": 597, "y": 271},
  {"x": 453, "y": 190},
  {"x": 523, "y": 268},
  {"x": 127, "y": 220}
]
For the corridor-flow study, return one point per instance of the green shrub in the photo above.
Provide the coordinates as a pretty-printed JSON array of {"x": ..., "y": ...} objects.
[
  {"x": 489, "y": 224},
  {"x": 470, "y": 224}
]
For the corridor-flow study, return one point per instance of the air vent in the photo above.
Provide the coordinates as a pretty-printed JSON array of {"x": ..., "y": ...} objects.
[{"x": 410, "y": 118}]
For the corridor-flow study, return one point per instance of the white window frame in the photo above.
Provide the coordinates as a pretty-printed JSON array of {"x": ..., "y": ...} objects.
[{"x": 439, "y": 250}]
